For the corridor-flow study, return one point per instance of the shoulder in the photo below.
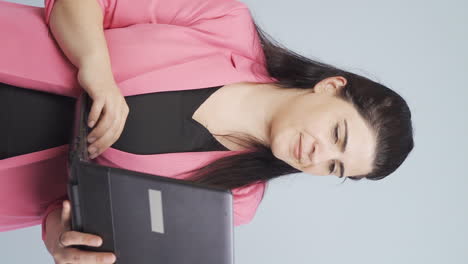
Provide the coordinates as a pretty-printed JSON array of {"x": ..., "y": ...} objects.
[{"x": 246, "y": 201}]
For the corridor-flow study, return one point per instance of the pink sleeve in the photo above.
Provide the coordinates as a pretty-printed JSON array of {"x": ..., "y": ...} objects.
[
  {"x": 123, "y": 13},
  {"x": 54, "y": 205},
  {"x": 246, "y": 201}
]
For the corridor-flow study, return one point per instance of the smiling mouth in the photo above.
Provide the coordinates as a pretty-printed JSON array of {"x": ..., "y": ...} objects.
[{"x": 300, "y": 147}]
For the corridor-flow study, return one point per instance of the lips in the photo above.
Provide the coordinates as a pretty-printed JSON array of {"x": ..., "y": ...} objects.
[
  {"x": 300, "y": 146},
  {"x": 297, "y": 149}
]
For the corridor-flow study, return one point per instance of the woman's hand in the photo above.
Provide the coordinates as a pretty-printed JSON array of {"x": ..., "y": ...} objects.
[
  {"x": 109, "y": 109},
  {"x": 60, "y": 238}
]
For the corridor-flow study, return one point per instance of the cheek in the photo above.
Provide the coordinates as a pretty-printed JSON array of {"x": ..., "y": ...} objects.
[
  {"x": 318, "y": 124},
  {"x": 282, "y": 140},
  {"x": 287, "y": 125}
]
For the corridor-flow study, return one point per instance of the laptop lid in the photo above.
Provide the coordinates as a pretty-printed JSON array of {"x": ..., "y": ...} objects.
[{"x": 145, "y": 218}]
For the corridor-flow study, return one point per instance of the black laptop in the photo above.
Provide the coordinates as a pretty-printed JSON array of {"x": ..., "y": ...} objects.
[{"x": 145, "y": 218}]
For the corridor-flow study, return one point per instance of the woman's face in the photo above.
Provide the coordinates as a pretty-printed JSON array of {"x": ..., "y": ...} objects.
[{"x": 325, "y": 125}]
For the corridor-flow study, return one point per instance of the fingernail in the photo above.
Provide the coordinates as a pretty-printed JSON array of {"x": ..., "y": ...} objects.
[
  {"x": 91, "y": 124},
  {"x": 97, "y": 242},
  {"x": 91, "y": 140},
  {"x": 92, "y": 156},
  {"x": 109, "y": 258}
]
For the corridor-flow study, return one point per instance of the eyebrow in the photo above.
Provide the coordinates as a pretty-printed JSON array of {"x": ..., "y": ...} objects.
[{"x": 343, "y": 147}]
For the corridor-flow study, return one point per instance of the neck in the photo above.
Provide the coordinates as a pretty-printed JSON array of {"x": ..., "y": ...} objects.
[{"x": 248, "y": 108}]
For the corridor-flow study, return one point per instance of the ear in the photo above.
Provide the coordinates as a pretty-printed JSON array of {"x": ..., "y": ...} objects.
[{"x": 330, "y": 85}]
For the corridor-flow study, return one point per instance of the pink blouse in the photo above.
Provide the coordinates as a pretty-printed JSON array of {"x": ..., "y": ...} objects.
[{"x": 152, "y": 43}]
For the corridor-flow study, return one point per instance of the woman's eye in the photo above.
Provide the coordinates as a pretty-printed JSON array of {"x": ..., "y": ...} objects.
[
  {"x": 333, "y": 164},
  {"x": 336, "y": 134}
]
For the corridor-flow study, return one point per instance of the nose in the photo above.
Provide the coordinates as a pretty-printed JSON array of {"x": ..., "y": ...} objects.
[
  {"x": 322, "y": 154},
  {"x": 311, "y": 153}
]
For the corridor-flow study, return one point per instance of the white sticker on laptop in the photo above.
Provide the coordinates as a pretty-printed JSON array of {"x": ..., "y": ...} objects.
[{"x": 157, "y": 224}]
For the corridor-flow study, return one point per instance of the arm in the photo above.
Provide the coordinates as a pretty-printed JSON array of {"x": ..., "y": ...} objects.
[
  {"x": 124, "y": 13},
  {"x": 52, "y": 222},
  {"x": 77, "y": 28},
  {"x": 54, "y": 206},
  {"x": 227, "y": 22}
]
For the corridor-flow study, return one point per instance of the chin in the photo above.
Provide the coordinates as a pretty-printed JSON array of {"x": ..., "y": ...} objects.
[
  {"x": 275, "y": 152},
  {"x": 284, "y": 156},
  {"x": 282, "y": 152}
]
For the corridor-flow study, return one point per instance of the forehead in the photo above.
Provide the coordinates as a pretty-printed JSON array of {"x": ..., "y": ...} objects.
[{"x": 361, "y": 142}]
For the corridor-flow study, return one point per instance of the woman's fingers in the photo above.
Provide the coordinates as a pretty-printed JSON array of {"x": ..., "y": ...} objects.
[
  {"x": 109, "y": 129},
  {"x": 108, "y": 108},
  {"x": 105, "y": 141},
  {"x": 110, "y": 125},
  {"x": 66, "y": 214},
  {"x": 66, "y": 254},
  {"x": 76, "y": 256},
  {"x": 70, "y": 238},
  {"x": 113, "y": 133},
  {"x": 106, "y": 118},
  {"x": 95, "y": 112},
  {"x": 102, "y": 132}
]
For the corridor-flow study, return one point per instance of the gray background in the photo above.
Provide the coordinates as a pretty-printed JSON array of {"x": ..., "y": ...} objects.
[{"x": 416, "y": 215}]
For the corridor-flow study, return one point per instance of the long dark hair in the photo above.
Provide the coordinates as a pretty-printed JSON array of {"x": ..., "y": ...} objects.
[{"x": 383, "y": 109}]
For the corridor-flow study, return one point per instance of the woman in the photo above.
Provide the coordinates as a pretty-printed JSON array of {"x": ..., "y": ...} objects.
[{"x": 341, "y": 123}]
